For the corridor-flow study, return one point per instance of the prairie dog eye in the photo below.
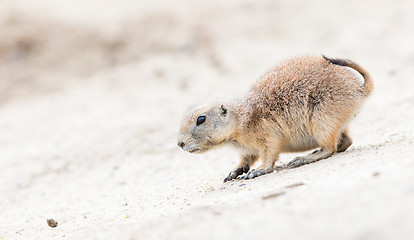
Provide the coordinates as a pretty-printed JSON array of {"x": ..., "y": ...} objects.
[{"x": 200, "y": 120}]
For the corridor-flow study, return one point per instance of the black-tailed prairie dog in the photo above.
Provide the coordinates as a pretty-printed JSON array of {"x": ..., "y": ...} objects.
[{"x": 301, "y": 104}]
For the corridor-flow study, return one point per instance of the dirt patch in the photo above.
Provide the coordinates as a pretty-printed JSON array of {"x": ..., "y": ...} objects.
[{"x": 273, "y": 195}]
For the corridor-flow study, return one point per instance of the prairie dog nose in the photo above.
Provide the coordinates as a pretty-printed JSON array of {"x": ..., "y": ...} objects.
[{"x": 181, "y": 144}]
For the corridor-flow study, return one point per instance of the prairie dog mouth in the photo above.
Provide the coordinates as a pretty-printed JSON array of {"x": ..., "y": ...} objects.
[{"x": 194, "y": 150}]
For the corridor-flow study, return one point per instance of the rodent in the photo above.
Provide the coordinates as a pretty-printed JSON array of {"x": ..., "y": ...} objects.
[{"x": 303, "y": 103}]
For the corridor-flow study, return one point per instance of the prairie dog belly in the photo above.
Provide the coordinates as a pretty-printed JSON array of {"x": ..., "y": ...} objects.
[{"x": 300, "y": 143}]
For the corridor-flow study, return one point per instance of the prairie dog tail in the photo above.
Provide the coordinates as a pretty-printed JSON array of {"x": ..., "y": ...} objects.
[{"x": 368, "y": 84}]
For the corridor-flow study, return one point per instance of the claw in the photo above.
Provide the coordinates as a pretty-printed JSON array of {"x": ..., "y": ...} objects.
[
  {"x": 236, "y": 172},
  {"x": 228, "y": 178},
  {"x": 254, "y": 173},
  {"x": 297, "y": 162},
  {"x": 233, "y": 174}
]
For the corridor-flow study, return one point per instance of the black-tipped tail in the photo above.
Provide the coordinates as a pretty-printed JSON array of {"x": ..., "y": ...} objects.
[{"x": 368, "y": 84}]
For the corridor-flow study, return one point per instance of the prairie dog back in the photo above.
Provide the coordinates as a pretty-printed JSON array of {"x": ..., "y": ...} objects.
[{"x": 305, "y": 96}]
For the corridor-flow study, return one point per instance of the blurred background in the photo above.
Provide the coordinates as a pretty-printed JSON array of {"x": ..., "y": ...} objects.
[
  {"x": 92, "y": 94},
  {"x": 47, "y": 45}
]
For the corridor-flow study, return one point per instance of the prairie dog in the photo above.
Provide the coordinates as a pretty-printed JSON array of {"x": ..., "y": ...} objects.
[{"x": 301, "y": 104}]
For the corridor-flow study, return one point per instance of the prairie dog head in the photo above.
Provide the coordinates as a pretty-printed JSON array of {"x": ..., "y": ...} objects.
[{"x": 205, "y": 127}]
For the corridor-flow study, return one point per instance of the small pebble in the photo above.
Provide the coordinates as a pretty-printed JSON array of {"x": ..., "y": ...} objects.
[{"x": 52, "y": 223}]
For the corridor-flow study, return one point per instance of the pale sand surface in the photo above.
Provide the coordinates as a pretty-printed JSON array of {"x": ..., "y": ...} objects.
[{"x": 92, "y": 94}]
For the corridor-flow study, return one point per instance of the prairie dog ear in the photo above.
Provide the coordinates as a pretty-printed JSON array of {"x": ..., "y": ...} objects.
[{"x": 223, "y": 109}]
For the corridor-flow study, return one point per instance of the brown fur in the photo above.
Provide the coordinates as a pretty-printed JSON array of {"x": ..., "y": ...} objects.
[{"x": 301, "y": 104}]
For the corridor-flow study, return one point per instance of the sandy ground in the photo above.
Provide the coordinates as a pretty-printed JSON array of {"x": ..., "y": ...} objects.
[{"x": 92, "y": 94}]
